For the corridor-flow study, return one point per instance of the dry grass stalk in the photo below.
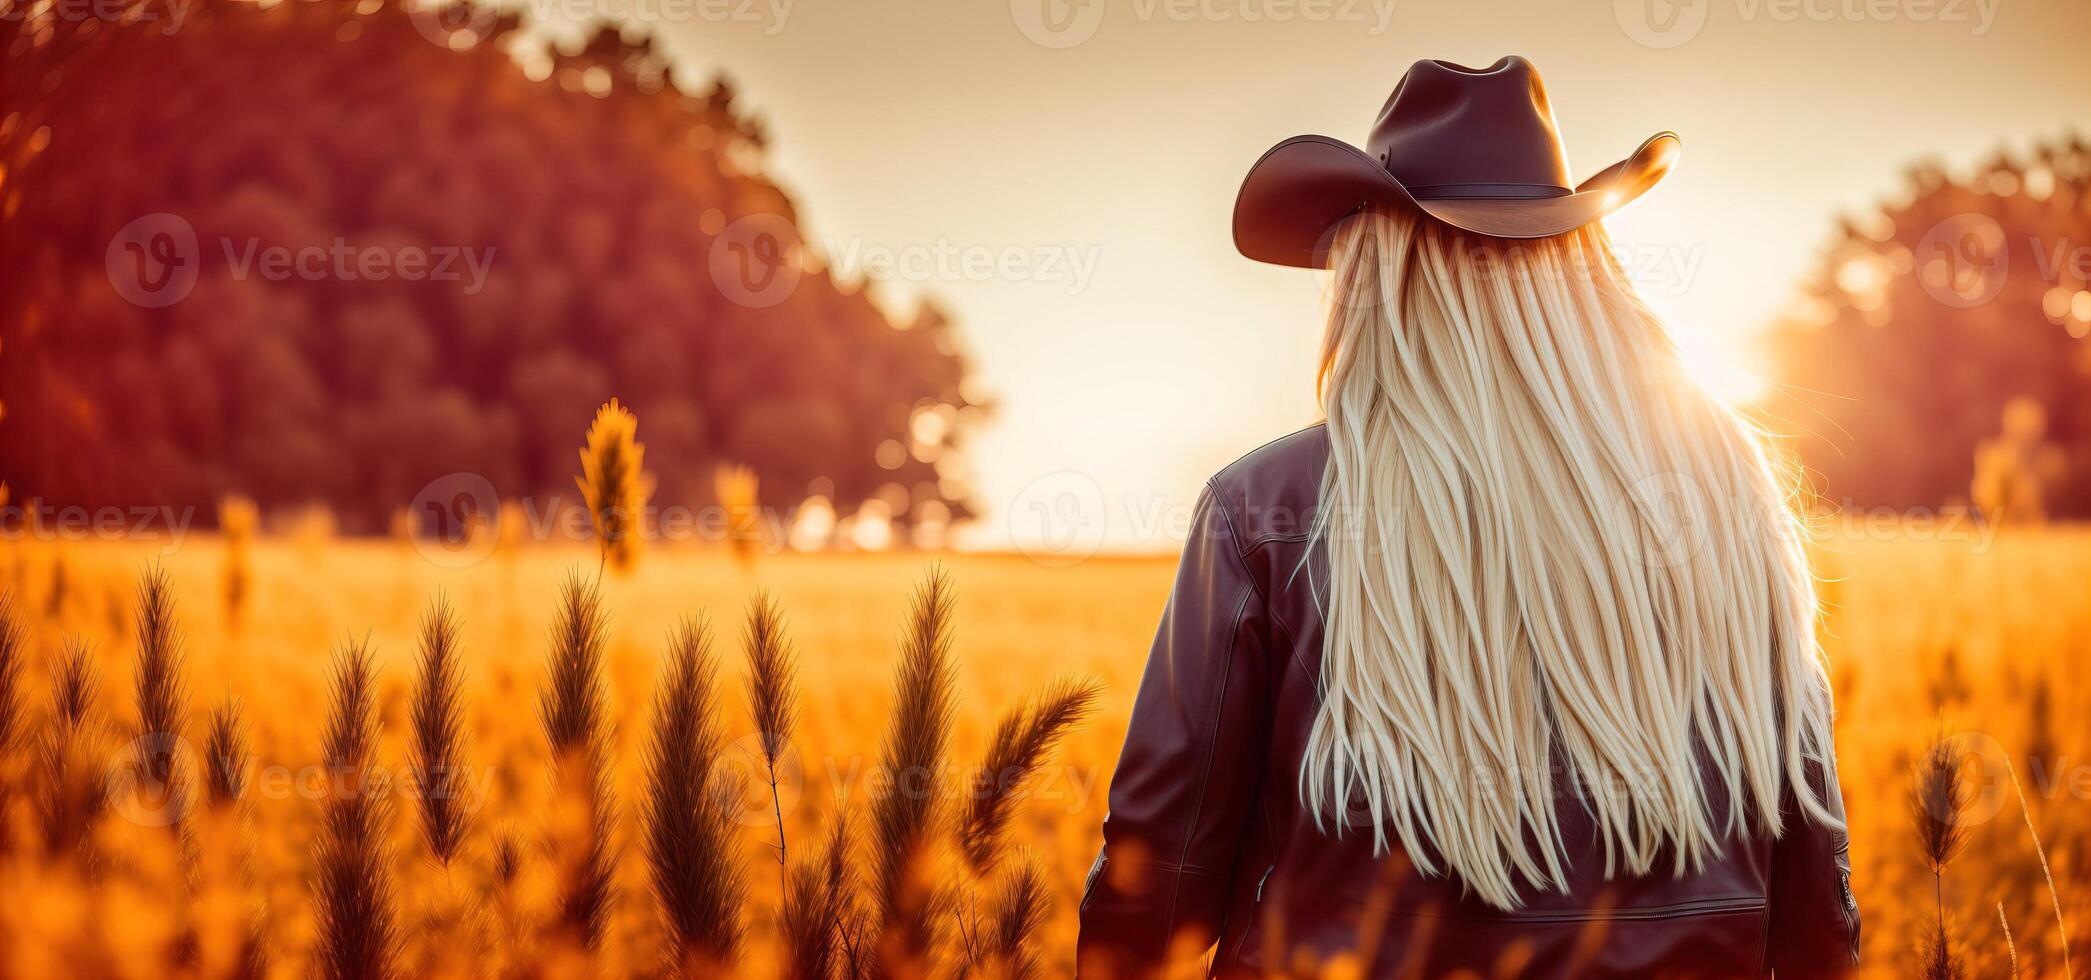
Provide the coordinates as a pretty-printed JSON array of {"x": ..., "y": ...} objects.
[
  {"x": 237, "y": 520},
  {"x": 2010, "y": 944},
  {"x": 508, "y": 859},
  {"x": 160, "y": 695},
  {"x": 575, "y": 698},
  {"x": 353, "y": 893},
  {"x": 1938, "y": 802},
  {"x": 438, "y": 719},
  {"x": 505, "y": 867},
  {"x": 73, "y": 793},
  {"x": 772, "y": 700},
  {"x": 818, "y": 920},
  {"x": 1018, "y": 750},
  {"x": 232, "y": 935},
  {"x": 55, "y": 599},
  {"x": 737, "y": 489},
  {"x": 74, "y": 683},
  {"x": 911, "y": 903},
  {"x": 1936, "y": 957},
  {"x": 2054, "y": 896},
  {"x": 13, "y": 657},
  {"x": 697, "y": 880},
  {"x": 574, "y": 709},
  {"x": 225, "y": 755},
  {"x": 614, "y": 483},
  {"x": 1006, "y": 948}
]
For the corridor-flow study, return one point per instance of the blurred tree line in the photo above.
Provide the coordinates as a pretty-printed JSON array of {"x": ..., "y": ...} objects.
[
  {"x": 594, "y": 187},
  {"x": 1939, "y": 354}
]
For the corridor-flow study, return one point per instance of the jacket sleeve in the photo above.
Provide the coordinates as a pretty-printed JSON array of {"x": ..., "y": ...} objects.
[
  {"x": 1186, "y": 781},
  {"x": 1814, "y": 918}
]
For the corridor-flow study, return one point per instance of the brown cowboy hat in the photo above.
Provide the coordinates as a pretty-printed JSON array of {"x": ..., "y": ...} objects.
[{"x": 1475, "y": 148}]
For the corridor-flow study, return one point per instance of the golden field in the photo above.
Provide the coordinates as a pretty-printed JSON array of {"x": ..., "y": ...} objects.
[{"x": 1925, "y": 630}]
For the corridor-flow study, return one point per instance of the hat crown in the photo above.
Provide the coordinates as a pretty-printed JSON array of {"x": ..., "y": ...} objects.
[{"x": 1450, "y": 131}]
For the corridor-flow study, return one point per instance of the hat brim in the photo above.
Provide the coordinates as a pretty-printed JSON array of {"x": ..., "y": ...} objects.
[{"x": 1304, "y": 186}]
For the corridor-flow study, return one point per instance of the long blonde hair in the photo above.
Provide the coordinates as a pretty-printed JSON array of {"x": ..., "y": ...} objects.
[{"x": 1558, "y": 570}]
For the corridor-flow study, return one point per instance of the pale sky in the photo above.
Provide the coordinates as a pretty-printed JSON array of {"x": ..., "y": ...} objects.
[{"x": 1133, "y": 352}]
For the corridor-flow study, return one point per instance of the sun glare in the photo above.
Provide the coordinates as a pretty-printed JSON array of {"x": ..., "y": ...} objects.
[{"x": 1720, "y": 369}]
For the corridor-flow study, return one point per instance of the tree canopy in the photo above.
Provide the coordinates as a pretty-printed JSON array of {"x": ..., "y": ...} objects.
[
  {"x": 1931, "y": 315},
  {"x": 594, "y": 216}
]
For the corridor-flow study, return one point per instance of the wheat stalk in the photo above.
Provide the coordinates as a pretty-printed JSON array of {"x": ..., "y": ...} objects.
[
  {"x": 574, "y": 701},
  {"x": 225, "y": 755},
  {"x": 910, "y": 903},
  {"x": 12, "y": 637},
  {"x": 819, "y": 908},
  {"x": 614, "y": 483},
  {"x": 1938, "y": 803},
  {"x": 159, "y": 691},
  {"x": 225, "y": 855},
  {"x": 353, "y": 893},
  {"x": 12, "y": 660},
  {"x": 438, "y": 720},
  {"x": 1015, "y": 917},
  {"x": 697, "y": 880},
  {"x": 1018, "y": 750},
  {"x": 772, "y": 701},
  {"x": 573, "y": 709},
  {"x": 74, "y": 794},
  {"x": 505, "y": 865}
]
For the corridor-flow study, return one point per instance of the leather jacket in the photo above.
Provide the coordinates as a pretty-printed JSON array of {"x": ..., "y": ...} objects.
[{"x": 1208, "y": 850}]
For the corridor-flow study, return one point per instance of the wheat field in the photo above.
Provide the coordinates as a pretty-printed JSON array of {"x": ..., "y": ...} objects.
[{"x": 1927, "y": 633}]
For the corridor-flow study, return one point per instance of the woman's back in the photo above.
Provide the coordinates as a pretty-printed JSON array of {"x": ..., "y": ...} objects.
[{"x": 1208, "y": 840}]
